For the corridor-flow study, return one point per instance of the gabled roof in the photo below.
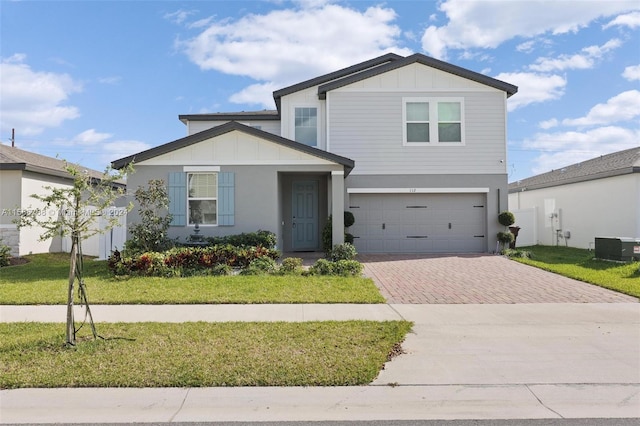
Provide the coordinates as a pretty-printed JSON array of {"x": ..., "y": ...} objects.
[
  {"x": 12, "y": 158},
  {"x": 616, "y": 164},
  {"x": 424, "y": 60},
  {"x": 353, "y": 69},
  {"x": 352, "y": 74},
  {"x": 268, "y": 114},
  {"x": 226, "y": 128}
]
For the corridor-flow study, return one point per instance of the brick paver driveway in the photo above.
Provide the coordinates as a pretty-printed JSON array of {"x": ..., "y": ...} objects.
[{"x": 454, "y": 279}]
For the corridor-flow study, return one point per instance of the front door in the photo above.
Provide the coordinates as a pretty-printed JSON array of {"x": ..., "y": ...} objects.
[{"x": 304, "y": 215}]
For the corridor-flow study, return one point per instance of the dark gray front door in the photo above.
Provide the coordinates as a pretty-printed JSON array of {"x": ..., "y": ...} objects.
[{"x": 304, "y": 215}]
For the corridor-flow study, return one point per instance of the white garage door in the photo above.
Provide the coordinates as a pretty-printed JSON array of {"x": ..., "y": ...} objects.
[{"x": 419, "y": 223}]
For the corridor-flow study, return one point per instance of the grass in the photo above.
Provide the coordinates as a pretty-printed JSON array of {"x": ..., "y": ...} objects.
[
  {"x": 45, "y": 278},
  {"x": 199, "y": 354},
  {"x": 580, "y": 264}
]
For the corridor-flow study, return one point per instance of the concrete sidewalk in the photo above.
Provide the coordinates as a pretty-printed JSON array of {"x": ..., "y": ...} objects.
[{"x": 461, "y": 362}]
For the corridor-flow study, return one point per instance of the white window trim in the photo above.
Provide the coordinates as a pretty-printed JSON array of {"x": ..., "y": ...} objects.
[
  {"x": 433, "y": 120},
  {"x": 318, "y": 123},
  {"x": 202, "y": 170}
]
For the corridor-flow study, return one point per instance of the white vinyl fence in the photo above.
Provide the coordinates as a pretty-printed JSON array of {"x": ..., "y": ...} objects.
[
  {"x": 101, "y": 245},
  {"x": 526, "y": 220}
]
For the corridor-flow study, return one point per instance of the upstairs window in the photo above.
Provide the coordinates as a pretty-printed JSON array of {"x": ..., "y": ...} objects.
[
  {"x": 306, "y": 125},
  {"x": 449, "y": 122},
  {"x": 417, "y": 121},
  {"x": 432, "y": 121},
  {"x": 202, "y": 198}
]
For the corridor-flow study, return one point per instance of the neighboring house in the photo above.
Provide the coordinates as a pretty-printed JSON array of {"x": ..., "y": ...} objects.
[
  {"x": 23, "y": 174},
  {"x": 413, "y": 146},
  {"x": 575, "y": 204}
]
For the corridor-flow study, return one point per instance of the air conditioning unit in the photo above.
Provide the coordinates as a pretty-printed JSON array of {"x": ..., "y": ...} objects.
[{"x": 618, "y": 248}]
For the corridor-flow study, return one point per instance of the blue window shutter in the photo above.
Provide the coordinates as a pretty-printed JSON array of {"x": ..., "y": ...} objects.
[
  {"x": 178, "y": 198},
  {"x": 226, "y": 198}
]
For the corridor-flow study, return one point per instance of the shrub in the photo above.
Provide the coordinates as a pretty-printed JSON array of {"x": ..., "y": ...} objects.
[
  {"x": 506, "y": 218},
  {"x": 341, "y": 267},
  {"x": 349, "y": 219},
  {"x": 347, "y": 268},
  {"x": 261, "y": 265},
  {"x": 152, "y": 264},
  {"x": 220, "y": 269},
  {"x": 505, "y": 237},
  {"x": 188, "y": 261},
  {"x": 346, "y": 251},
  {"x": 5, "y": 255},
  {"x": 260, "y": 238},
  {"x": 327, "y": 237},
  {"x": 291, "y": 265},
  {"x": 321, "y": 267},
  {"x": 327, "y": 232},
  {"x": 517, "y": 253}
]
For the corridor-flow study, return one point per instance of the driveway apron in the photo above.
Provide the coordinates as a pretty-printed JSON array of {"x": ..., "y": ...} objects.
[{"x": 476, "y": 278}]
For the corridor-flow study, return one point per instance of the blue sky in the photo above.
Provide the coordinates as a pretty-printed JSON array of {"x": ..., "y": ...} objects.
[{"x": 93, "y": 81}]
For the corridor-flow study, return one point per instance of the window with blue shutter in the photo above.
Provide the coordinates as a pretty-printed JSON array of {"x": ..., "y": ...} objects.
[
  {"x": 182, "y": 203},
  {"x": 178, "y": 198},
  {"x": 226, "y": 198}
]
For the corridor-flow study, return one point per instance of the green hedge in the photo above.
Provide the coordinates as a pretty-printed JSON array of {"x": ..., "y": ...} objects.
[{"x": 248, "y": 239}]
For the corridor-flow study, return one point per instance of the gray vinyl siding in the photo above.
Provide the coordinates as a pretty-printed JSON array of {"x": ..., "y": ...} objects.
[
  {"x": 271, "y": 126},
  {"x": 260, "y": 194},
  {"x": 367, "y": 127}
]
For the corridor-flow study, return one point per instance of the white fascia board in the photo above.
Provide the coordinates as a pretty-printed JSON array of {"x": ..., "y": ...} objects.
[{"x": 417, "y": 190}]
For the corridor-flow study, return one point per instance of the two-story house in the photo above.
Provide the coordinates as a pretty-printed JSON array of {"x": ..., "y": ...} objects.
[{"x": 414, "y": 147}]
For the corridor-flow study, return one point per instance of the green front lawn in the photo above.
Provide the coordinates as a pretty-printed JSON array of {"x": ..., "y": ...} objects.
[
  {"x": 580, "y": 264},
  {"x": 199, "y": 354},
  {"x": 45, "y": 278}
]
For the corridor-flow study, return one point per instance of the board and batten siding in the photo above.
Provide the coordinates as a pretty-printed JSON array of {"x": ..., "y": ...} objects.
[
  {"x": 367, "y": 127},
  {"x": 270, "y": 126}
]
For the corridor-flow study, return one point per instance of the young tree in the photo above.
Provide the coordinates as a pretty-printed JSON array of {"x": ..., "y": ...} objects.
[
  {"x": 72, "y": 211},
  {"x": 151, "y": 233}
]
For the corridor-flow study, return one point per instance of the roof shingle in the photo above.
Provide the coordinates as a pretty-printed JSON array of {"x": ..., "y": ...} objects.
[
  {"x": 615, "y": 164},
  {"x": 12, "y": 158}
]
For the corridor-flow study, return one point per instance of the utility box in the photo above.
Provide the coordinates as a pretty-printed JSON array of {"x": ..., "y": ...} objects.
[{"x": 618, "y": 248}]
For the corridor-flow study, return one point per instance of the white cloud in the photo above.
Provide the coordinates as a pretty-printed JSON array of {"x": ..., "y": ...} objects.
[
  {"x": 527, "y": 46},
  {"x": 261, "y": 94},
  {"x": 115, "y": 150},
  {"x": 583, "y": 60},
  {"x": 487, "y": 24},
  {"x": 96, "y": 149},
  {"x": 631, "y": 20},
  {"x": 84, "y": 140},
  {"x": 548, "y": 124},
  {"x": 286, "y": 46},
  {"x": 622, "y": 107},
  {"x": 565, "y": 148},
  {"x": 179, "y": 16},
  {"x": 533, "y": 88},
  {"x": 113, "y": 80},
  {"x": 91, "y": 137},
  {"x": 33, "y": 100},
  {"x": 632, "y": 73}
]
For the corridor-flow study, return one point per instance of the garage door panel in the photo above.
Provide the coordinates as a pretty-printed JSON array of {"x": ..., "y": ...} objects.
[{"x": 420, "y": 223}]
